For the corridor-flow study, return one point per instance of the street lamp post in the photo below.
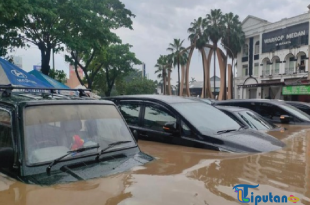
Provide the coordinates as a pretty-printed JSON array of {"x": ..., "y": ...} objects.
[{"x": 234, "y": 67}]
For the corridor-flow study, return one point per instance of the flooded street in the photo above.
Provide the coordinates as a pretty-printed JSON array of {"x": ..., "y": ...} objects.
[{"x": 184, "y": 175}]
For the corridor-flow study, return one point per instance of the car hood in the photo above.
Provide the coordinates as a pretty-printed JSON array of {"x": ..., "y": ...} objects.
[
  {"x": 248, "y": 140},
  {"x": 184, "y": 175}
]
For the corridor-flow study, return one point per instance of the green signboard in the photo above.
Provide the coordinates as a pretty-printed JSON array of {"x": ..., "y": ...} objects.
[{"x": 296, "y": 90}]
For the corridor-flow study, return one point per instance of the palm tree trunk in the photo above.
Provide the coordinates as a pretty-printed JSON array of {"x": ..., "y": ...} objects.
[
  {"x": 225, "y": 70},
  {"x": 203, "y": 95},
  {"x": 164, "y": 81},
  {"x": 215, "y": 48},
  {"x": 182, "y": 79},
  {"x": 232, "y": 79},
  {"x": 209, "y": 89},
  {"x": 221, "y": 61},
  {"x": 179, "y": 76},
  {"x": 169, "y": 82},
  {"x": 206, "y": 69},
  {"x": 187, "y": 70}
]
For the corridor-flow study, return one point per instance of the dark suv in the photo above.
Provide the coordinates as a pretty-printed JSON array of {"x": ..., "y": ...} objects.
[
  {"x": 277, "y": 111},
  {"x": 48, "y": 139},
  {"x": 189, "y": 122}
]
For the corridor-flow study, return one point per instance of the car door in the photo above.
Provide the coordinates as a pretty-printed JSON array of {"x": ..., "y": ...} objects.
[{"x": 154, "y": 118}]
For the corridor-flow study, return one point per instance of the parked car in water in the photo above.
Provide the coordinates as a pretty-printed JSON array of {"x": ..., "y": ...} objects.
[
  {"x": 249, "y": 118},
  {"x": 50, "y": 139},
  {"x": 189, "y": 122},
  {"x": 277, "y": 111}
]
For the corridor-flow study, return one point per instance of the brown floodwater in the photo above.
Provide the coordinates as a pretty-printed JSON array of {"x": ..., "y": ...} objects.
[{"x": 184, "y": 175}]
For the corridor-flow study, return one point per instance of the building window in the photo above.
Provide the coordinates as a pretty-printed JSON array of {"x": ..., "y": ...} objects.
[
  {"x": 256, "y": 68},
  {"x": 291, "y": 65},
  {"x": 277, "y": 67},
  {"x": 245, "y": 70},
  {"x": 245, "y": 50},
  {"x": 256, "y": 51}
]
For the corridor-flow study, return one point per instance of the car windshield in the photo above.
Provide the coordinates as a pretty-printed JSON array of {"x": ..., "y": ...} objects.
[
  {"x": 295, "y": 111},
  {"x": 206, "y": 118},
  {"x": 255, "y": 121},
  {"x": 51, "y": 131}
]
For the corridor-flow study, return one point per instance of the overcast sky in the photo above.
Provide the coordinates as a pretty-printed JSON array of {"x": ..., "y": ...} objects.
[{"x": 158, "y": 22}]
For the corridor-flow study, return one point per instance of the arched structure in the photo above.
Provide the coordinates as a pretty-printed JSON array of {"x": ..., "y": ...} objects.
[
  {"x": 290, "y": 63},
  {"x": 275, "y": 68},
  {"x": 266, "y": 66}
]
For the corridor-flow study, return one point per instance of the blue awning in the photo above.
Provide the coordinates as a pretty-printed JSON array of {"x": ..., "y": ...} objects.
[{"x": 11, "y": 75}]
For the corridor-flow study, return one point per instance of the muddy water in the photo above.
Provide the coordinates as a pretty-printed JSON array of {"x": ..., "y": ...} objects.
[{"x": 183, "y": 175}]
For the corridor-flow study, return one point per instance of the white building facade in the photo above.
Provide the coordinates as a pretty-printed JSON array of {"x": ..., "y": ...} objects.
[{"x": 274, "y": 61}]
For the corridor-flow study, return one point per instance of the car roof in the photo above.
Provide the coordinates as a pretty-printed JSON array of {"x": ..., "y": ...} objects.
[
  {"x": 17, "y": 98},
  {"x": 231, "y": 108},
  {"x": 274, "y": 101},
  {"x": 168, "y": 99},
  {"x": 297, "y": 102}
]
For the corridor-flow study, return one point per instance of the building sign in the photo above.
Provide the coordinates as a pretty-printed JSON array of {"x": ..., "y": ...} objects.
[
  {"x": 286, "y": 38},
  {"x": 296, "y": 90}
]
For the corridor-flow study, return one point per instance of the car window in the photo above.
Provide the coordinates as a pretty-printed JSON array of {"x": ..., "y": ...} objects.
[
  {"x": 272, "y": 112},
  {"x": 301, "y": 107},
  {"x": 207, "y": 119},
  {"x": 298, "y": 113},
  {"x": 155, "y": 118},
  {"x": 5, "y": 129},
  {"x": 255, "y": 121},
  {"x": 185, "y": 130},
  {"x": 80, "y": 126},
  {"x": 232, "y": 116},
  {"x": 130, "y": 112}
]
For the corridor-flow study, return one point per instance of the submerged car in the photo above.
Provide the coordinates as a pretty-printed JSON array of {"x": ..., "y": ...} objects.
[
  {"x": 249, "y": 118},
  {"x": 52, "y": 139},
  {"x": 189, "y": 122},
  {"x": 276, "y": 111}
]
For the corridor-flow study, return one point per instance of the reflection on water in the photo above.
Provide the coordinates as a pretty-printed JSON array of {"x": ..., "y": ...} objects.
[{"x": 184, "y": 175}]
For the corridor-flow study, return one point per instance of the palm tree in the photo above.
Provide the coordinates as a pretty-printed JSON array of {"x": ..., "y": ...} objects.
[
  {"x": 233, "y": 38},
  {"x": 176, "y": 49},
  {"x": 214, "y": 30},
  {"x": 199, "y": 39},
  {"x": 161, "y": 71}
]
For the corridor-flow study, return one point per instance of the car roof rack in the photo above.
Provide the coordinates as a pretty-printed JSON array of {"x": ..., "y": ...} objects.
[{"x": 7, "y": 90}]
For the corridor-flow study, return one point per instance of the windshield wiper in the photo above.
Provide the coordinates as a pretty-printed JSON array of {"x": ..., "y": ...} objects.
[
  {"x": 110, "y": 146},
  {"x": 225, "y": 131},
  {"x": 83, "y": 149}
]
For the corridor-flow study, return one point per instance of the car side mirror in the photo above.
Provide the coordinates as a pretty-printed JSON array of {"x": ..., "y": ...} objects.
[
  {"x": 170, "y": 127},
  {"x": 285, "y": 118},
  {"x": 6, "y": 157}
]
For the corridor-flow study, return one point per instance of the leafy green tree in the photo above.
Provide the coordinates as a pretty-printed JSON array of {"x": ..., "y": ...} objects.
[
  {"x": 53, "y": 24},
  {"x": 58, "y": 75},
  {"x": 12, "y": 13},
  {"x": 105, "y": 70},
  {"x": 137, "y": 85},
  {"x": 178, "y": 56}
]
